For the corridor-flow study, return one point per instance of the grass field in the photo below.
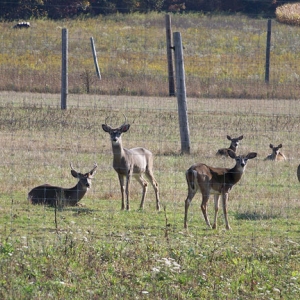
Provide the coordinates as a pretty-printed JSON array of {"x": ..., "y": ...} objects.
[
  {"x": 224, "y": 56},
  {"x": 97, "y": 251}
]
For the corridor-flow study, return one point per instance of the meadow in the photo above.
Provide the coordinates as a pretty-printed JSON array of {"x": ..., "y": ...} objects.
[
  {"x": 224, "y": 56},
  {"x": 97, "y": 251}
]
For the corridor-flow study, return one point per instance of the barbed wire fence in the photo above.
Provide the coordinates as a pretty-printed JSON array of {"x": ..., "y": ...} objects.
[{"x": 226, "y": 95}]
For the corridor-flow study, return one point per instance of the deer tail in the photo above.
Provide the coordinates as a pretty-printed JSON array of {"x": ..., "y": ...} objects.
[{"x": 191, "y": 177}]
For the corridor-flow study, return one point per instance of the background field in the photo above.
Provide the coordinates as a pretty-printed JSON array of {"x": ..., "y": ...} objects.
[
  {"x": 224, "y": 56},
  {"x": 97, "y": 251}
]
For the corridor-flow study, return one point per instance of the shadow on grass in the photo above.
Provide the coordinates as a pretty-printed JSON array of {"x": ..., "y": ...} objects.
[
  {"x": 170, "y": 153},
  {"x": 80, "y": 210},
  {"x": 255, "y": 216},
  {"x": 76, "y": 210}
]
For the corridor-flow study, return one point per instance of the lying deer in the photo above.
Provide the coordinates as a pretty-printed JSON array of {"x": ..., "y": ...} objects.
[
  {"x": 217, "y": 181},
  {"x": 131, "y": 162},
  {"x": 233, "y": 146},
  {"x": 57, "y": 196},
  {"x": 276, "y": 154}
]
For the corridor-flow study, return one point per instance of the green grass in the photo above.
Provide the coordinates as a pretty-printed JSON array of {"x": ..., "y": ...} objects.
[{"x": 97, "y": 251}]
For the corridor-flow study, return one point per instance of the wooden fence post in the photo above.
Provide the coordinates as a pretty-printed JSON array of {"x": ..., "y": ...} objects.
[
  {"x": 268, "y": 49},
  {"x": 170, "y": 56},
  {"x": 64, "y": 69},
  {"x": 181, "y": 94},
  {"x": 95, "y": 58}
]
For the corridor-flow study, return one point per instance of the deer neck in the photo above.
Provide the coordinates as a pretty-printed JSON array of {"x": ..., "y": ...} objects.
[
  {"x": 235, "y": 174},
  {"x": 74, "y": 194},
  {"x": 118, "y": 151},
  {"x": 275, "y": 155},
  {"x": 233, "y": 148}
]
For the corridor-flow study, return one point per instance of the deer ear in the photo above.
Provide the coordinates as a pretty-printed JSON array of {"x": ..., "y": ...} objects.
[
  {"x": 271, "y": 146},
  {"x": 74, "y": 173},
  {"x": 241, "y": 137},
  {"x": 231, "y": 153},
  {"x": 92, "y": 173},
  {"x": 106, "y": 128},
  {"x": 125, "y": 127},
  {"x": 251, "y": 155},
  {"x": 280, "y": 146},
  {"x": 228, "y": 138}
]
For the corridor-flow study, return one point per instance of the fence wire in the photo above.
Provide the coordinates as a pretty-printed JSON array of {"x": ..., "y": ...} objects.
[{"x": 226, "y": 93}]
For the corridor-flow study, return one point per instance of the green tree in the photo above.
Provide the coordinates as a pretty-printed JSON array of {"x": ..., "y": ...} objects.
[
  {"x": 151, "y": 5},
  {"x": 103, "y": 7},
  {"x": 21, "y": 9},
  {"x": 59, "y": 9}
]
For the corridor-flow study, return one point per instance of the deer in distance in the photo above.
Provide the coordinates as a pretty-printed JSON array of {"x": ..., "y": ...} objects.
[
  {"x": 234, "y": 143},
  {"x": 131, "y": 162},
  {"x": 217, "y": 181},
  {"x": 276, "y": 154},
  {"x": 58, "y": 196}
]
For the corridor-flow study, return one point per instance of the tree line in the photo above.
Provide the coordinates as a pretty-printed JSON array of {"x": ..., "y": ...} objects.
[{"x": 59, "y": 9}]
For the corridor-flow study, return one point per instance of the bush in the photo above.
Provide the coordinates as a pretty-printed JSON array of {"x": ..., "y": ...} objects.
[{"x": 288, "y": 14}]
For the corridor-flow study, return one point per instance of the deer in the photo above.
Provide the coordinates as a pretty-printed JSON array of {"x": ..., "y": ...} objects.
[
  {"x": 276, "y": 154},
  {"x": 130, "y": 163},
  {"x": 233, "y": 146},
  {"x": 216, "y": 181},
  {"x": 58, "y": 196}
]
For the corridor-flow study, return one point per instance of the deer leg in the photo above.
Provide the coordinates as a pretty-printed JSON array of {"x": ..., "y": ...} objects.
[
  {"x": 224, "y": 203},
  {"x": 144, "y": 184},
  {"x": 128, "y": 179},
  {"x": 121, "y": 180},
  {"x": 205, "y": 198},
  {"x": 155, "y": 187},
  {"x": 216, "y": 200},
  {"x": 191, "y": 194}
]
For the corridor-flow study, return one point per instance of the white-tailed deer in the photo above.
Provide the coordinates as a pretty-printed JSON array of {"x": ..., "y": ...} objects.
[
  {"x": 276, "y": 154},
  {"x": 233, "y": 146},
  {"x": 217, "y": 181},
  {"x": 57, "y": 196},
  {"x": 131, "y": 162}
]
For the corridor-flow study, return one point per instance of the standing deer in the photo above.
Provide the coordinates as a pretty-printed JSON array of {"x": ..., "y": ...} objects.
[
  {"x": 233, "y": 146},
  {"x": 58, "y": 196},
  {"x": 276, "y": 154},
  {"x": 218, "y": 181},
  {"x": 131, "y": 162}
]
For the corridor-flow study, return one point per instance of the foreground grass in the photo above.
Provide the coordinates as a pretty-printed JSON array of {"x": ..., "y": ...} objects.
[
  {"x": 129, "y": 255},
  {"x": 98, "y": 251}
]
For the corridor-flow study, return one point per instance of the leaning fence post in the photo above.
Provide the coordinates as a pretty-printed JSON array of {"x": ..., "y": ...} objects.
[
  {"x": 169, "y": 56},
  {"x": 268, "y": 49},
  {"x": 181, "y": 94},
  {"x": 64, "y": 69},
  {"x": 95, "y": 58}
]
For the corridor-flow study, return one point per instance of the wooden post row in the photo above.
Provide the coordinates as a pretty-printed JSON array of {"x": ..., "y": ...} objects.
[
  {"x": 170, "y": 56},
  {"x": 181, "y": 94},
  {"x": 268, "y": 49},
  {"x": 64, "y": 69}
]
